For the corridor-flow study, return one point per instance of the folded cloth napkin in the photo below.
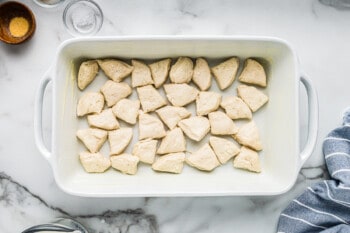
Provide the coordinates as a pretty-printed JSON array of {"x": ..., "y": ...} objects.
[{"x": 325, "y": 206}]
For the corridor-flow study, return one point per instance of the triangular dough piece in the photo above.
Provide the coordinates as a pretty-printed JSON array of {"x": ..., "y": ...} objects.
[
  {"x": 160, "y": 71},
  {"x": 172, "y": 163},
  {"x": 150, "y": 98},
  {"x": 254, "y": 98},
  {"x": 94, "y": 162},
  {"x": 93, "y": 139},
  {"x": 171, "y": 115},
  {"x": 90, "y": 102},
  {"x": 141, "y": 75},
  {"x": 248, "y": 135},
  {"x": 223, "y": 148},
  {"x": 247, "y": 159},
  {"x": 104, "y": 120},
  {"x": 195, "y": 127},
  {"x": 201, "y": 74},
  {"x": 125, "y": 163},
  {"x": 235, "y": 108},
  {"x": 113, "y": 92},
  {"x": 150, "y": 127},
  {"x": 145, "y": 150},
  {"x": 127, "y": 110},
  {"x": 204, "y": 159},
  {"x": 225, "y": 72},
  {"x": 221, "y": 124},
  {"x": 87, "y": 73},
  {"x": 182, "y": 70},
  {"x": 206, "y": 102},
  {"x": 253, "y": 73},
  {"x": 180, "y": 94},
  {"x": 115, "y": 69},
  {"x": 119, "y": 139},
  {"x": 173, "y": 142}
]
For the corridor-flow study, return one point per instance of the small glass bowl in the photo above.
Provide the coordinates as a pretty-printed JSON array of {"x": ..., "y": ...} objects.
[{"x": 48, "y": 3}]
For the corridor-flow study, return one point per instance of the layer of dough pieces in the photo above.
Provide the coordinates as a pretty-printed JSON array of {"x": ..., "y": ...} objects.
[
  {"x": 225, "y": 72},
  {"x": 182, "y": 70},
  {"x": 235, "y": 108},
  {"x": 160, "y": 71},
  {"x": 253, "y": 73},
  {"x": 247, "y": 159},
  {"x": 201, "y": 74},
  {"x": 94, "y": 162},
  {"x": 172, "y": 163},
  {"x": 145, "y": 150},
  {"x": 248, "y": 135},
  {"x": 125, "y": 163},
  {"x": 115, "y": 69},
  {"x": 195, "y": 127},
  {"x": 204, "y": 159},
  {"x": 113, "y": 92},
  {"x": 90, "y": 102},
  {"x": 87, "y": 73},
  {"x": 141, "y": 75},
  {"x": 93, "y": 139},
  {"x": 150, "y": 127},
  {"x": 171, "y": 115},
  {"x": 150, "y": 98},
  {"x": 180, "y": 94},
  {"x": 104, "y": 120},
  {"x": 254, "y": 98},
  {"x": 221, "y": 124},
  {"x": 207, "y": 102},
  {"x": 174, "y": 141},
  {"x": 119, "y": 139},
  {"x": 127, "y": 110},
  {"x": 223, "y": 148}
]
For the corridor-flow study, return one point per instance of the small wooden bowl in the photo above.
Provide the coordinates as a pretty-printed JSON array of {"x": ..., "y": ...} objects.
[{"x": 9, "y": 10}]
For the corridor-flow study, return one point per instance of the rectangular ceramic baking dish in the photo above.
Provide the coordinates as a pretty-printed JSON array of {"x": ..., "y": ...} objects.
[{"x": 278, "y": 121}]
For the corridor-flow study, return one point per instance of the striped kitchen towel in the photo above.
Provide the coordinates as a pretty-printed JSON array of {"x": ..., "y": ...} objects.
[{"x": 325, "y": 206}]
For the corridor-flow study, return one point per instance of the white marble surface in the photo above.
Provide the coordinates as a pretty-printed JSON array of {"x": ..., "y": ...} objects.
[{"x": 28, "y": 193}]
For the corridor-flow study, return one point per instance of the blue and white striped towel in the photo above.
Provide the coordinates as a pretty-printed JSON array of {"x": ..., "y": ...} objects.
[{"x": 325, "y": 206}]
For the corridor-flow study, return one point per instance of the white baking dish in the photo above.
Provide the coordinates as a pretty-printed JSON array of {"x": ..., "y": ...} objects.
[{"x": 278, "y": 121}]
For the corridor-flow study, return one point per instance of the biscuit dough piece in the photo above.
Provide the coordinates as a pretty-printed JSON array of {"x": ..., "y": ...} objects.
[
  {"x": 113, "y": 92},
  {"x": 150, "y": 127},
  {"x": 248, "y": 135},
  {"x": 115, "y": 69},
  {"x": 172, "y": 163},
  {"x": 254, "y": 98},
  {"x": 125, "y": 163},
  {"x": 174, "y": 141},
  {"x": 141, "y": 75},
  {"x": 171, "y": 115},
  {"x": 90, "y": 102},
  {"x": 104, "y": 120},
  {"x": 204, "y": 159},
  {"x": 235, "y": 108},
  {"x": 94, "y": 162},
  {"x": 247, "y": 159},
  {"x": 223, "y": 148},
  {"x": 160, "y": 71},
  {"x": 127, "y": 110},
  {"x": 145, "y": 150},
  {"x": 206, "y": 102},
  {"x": 195, "y": 127},
  {"x": 201, "y": 74},
  {"x": 180, "y": 94},
  {"x": 119, "y": 139},
  {"x": 182, "y": 70},
  {"x": 225, "y": 72},
  {"x": 253, "y": 73},
  {"x": 87, "y": 73},
  {"x": 221, "y": 124},
  {"x": 93, "y": 139},
  {"x": 150, "y": 98}
]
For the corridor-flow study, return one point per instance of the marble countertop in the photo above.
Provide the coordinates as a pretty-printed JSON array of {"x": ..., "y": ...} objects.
[{"x": 28, "y": 193}]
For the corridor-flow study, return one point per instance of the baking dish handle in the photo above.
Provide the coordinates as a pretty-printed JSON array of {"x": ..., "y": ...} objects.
[
  {"x": 312, "y": 120},
  {"x": 38, "y": 109}
]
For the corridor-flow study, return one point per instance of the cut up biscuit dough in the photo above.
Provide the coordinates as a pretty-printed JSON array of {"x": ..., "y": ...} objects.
[
  {"x": 253, "y": 73},
  {"x": 115, "y": 69},
  {"x": 195, "y": 127},
  {"x": 171, "y": 115},
  {"x": 87, "y": 73},
  {"x": 150, "y": 127},
  {"x": 225, "y": 72},
  {"x": 145, "y": 150},
  {"x": 113, "y": 92},
  {"x": 150, "y": 98},
  {"x": 247, "y": 159},
  {"x": 125, "y": 163},
  {"x": 119, "y": 139},
  {"x": 90, "y": 102},
  {"x": 221, "y": 124},
  {"x": 206, "y": 102},
  {"x": 235, "y": 108},
  {"x": 127, "y": 110},
  {"x": 204, "y": 159},
  {"x": 180, "y": 95},
  {"x": 94, "y": 162},
  {"x": 254, "y": 98},
  {"x": 172, "y": 163},
  {"x": 201, "y": 74},
  {"x": 93, "y": 139},
  {"x": 248, "y": 135},
  {"x": 141, "y": 75},
  {"x": 160, "y": 71},
  {"x": 174, "y": 141},
  {"x": 223, "y": 148},
  {"x": 104, "y": 120},
  {"x": 182, "y": 70}
]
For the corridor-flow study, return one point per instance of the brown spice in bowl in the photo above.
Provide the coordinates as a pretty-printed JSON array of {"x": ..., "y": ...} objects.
[{"x": 19, "y": 26}]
